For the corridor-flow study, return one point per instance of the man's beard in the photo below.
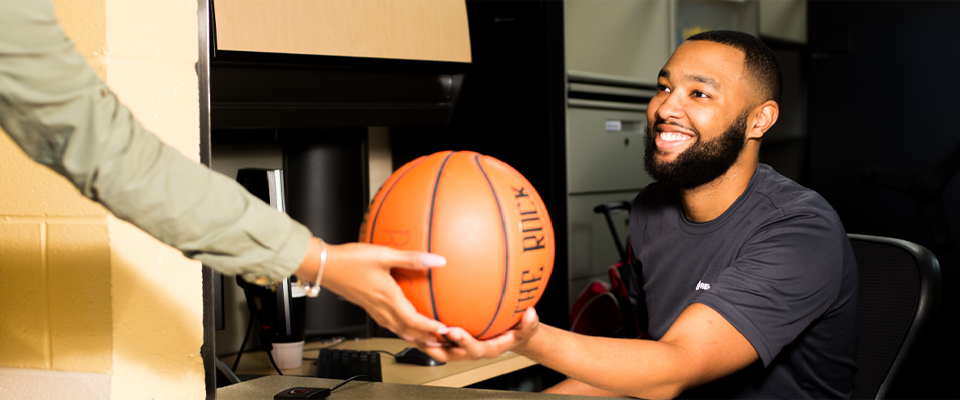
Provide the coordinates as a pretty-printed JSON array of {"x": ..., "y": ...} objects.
[{"x": 700, "y": 163}]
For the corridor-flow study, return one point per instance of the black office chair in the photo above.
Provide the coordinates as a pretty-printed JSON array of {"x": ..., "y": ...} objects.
[{"x": 899, "y": 297}]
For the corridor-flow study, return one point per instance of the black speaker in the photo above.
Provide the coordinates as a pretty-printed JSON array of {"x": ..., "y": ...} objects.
[{"x": 326, "y": 182}]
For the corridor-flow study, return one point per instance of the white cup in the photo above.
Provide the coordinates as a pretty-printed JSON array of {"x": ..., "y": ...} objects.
[{"x": 288, "y": 355}]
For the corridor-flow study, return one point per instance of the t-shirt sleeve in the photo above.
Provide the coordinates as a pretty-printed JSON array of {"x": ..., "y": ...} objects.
[
  {"x": 785, "y": 276},
  {"x": 56, "y": 108}
]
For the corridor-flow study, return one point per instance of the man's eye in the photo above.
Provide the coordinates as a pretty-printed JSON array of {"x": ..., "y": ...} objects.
[
  {"x": 663, "y": 88},
  {"x": 697, "y": 93}
]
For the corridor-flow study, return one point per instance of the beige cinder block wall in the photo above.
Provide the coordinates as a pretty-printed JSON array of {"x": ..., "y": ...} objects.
[{"x": 90, "y": 306}]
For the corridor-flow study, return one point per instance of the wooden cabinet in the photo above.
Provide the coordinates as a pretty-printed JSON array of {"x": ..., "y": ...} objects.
[{"x": 431, "y": 30}]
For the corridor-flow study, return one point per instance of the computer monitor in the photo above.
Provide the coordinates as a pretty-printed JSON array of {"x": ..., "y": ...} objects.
[{"x": 281, "y": 310}]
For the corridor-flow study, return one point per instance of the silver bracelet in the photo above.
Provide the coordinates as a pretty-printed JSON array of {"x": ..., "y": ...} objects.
[{"x": 313, "y": 289}]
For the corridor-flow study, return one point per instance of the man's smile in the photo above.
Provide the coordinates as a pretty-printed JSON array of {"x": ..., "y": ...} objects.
[{"x": 670, "y": 138}]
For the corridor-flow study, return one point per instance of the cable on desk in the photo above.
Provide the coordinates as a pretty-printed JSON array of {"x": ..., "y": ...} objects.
[
  {"x": 225, "y": 370},
  {"x": 350, "y": 379},
  {"x": 386, "y": 352},
  {"x": 270, "y": 356},
  {"x": 243, "y": 345}
]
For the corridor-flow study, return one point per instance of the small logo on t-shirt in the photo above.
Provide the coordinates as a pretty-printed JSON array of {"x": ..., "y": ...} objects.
[{"x": 702, "y": 286}]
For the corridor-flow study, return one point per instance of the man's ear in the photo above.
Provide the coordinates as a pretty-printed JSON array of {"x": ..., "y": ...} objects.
[{"x": 764, "y": 116}]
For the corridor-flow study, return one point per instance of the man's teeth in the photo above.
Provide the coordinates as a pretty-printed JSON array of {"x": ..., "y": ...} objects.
[{"x": 673, "y": 136}]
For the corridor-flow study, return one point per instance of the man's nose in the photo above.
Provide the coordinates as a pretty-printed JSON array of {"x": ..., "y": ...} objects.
[{"x": 671, "y": 107}]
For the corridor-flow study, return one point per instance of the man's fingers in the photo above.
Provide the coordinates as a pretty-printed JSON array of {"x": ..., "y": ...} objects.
[
  {"x": 466, "y": 347},
  {"x": 529, "y": 318}
]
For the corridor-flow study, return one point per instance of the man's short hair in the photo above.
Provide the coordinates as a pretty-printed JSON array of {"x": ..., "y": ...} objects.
[{"x": 759, "y": 60}]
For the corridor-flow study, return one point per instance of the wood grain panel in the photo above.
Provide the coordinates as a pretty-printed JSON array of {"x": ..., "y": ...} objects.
[{"x": 434, "y": 30}]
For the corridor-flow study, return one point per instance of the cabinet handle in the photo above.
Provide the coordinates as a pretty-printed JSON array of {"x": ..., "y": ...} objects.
[{"x": 616, "y": 125}]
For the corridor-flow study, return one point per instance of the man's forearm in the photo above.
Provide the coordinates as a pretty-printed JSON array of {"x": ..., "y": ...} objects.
[
  {"x": 700, "y": 346},
  {"x": 632, "y": 367},
  {"x": 575, "y": 387}
]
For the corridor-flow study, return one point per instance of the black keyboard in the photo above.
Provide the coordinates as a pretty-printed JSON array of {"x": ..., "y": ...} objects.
[{"x": 343, "y": 364}]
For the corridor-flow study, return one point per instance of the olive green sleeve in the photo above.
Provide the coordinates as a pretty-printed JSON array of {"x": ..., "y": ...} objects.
[{"x": 62, "y": 115}]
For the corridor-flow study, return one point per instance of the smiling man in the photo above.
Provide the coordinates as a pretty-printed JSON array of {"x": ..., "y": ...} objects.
[{"x": 748, "y": 278}]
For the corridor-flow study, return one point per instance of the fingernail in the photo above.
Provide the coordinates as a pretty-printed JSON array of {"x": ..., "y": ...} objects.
[
  {"x": 433, "y": 343},
  {"x": 445, "y": 330},
  {"x": 432, "y": 260}
]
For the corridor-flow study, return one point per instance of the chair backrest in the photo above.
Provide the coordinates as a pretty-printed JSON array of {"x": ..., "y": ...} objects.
[{"x": 899, "y": 296}]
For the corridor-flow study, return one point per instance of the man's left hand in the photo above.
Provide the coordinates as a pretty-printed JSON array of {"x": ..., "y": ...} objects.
[{"x": 463, "y": 346}]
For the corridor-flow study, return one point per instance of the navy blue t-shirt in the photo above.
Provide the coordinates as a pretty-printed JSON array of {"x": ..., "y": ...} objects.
[{"x": 777, "y": 265}]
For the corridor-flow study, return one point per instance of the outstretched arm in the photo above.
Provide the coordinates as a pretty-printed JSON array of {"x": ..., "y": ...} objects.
[
  {"x": 577, "y": 388},
  {"x": 56, "y": 108}
]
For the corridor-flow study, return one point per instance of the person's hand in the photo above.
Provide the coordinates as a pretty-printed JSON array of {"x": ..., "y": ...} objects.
[
  {"x": 464, "y": 346},
  {"x": 360, "y": 272}
]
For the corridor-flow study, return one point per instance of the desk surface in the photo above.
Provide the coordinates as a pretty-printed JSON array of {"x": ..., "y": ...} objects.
[
  {"x": 453, "y": 374},
  {"x": 265, "y": 388}
]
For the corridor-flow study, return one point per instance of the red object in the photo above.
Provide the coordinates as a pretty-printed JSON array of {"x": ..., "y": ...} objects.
[
  {"x": 598, "y": 309},
  {"x": 486, "y": 219}
]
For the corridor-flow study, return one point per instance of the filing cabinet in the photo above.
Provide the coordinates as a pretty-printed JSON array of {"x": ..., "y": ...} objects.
[
  {"x": 605, "y": 149},
  {"x": 606, "y": 125}
]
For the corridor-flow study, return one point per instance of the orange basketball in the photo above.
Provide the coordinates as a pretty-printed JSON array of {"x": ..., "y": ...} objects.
[{"x": 489, "y": 223}]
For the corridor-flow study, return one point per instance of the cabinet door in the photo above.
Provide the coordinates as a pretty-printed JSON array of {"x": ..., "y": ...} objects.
[
  {"x": 628, "y": 39},
  {"x": 605, "y": 150}
]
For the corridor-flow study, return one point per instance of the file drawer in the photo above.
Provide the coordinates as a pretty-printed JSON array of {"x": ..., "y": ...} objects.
[{"x": 605, "y": 150}]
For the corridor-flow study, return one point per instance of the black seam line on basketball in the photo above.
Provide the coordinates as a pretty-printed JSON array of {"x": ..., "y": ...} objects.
[
  {"x": 506, "y": 246},
  {"x": 373, "y": 224},
  {"x": 433, "y": 202}
]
